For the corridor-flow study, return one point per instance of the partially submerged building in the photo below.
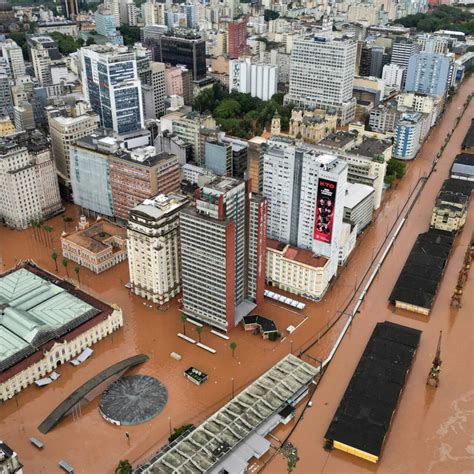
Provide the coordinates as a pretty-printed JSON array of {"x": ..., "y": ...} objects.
[
  {"x": 237, "y": 432},
  {"x": 44, "y": 322}
]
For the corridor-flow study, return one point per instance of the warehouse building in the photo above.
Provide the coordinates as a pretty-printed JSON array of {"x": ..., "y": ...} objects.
[{"x": 45, "y": 322}]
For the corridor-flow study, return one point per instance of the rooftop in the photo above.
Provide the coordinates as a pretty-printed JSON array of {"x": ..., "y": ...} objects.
[
  {"x": 36, "y": 308},
  {"x": 356, "y": 193},
  {"x": 161, "y": 205},
  {"x": 305, "y": 256},
  {"x": 338, "y": 140},
  {"x": 371, "y": 147},
  {"x": 98, "y": 237}
]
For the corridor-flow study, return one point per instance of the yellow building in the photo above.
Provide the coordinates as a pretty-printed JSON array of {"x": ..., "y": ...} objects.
[
  {"x": 311, "y": 126},
  {"x": 450, "y": 211},
  {"x": 6, "y": 127}
]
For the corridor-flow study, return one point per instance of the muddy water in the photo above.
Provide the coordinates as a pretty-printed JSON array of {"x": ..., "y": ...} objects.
[{"x": 94, "y": 446}]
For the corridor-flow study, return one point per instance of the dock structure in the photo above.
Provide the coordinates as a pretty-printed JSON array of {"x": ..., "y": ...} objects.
[
  {"x": 363, "y": 418},
  {"x": 233, "y": 435}
]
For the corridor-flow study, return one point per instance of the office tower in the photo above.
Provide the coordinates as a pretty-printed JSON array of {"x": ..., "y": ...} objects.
[
  {"x": 239, "y": 155},
  {"x": 112, "y": 87},
  {"x": 132, "y": 13},
  {"x": 154, "y": 247},
  {"x": 43, "y": 52},
  {"x": 105, "y": 21},
  {"x": 218, "y": 157},
  {"x": 191, "y": 15},
  {"x": 14, "y": 55},
  {"x": 215, "y": 254},
  {"x": 322, "y": 74},
  {"x": 6, "y": 102},
  {"x": 433, "y": 44},
  {"x": 407, "y": 136},
  {"x": 114, "y": 7},
  {"x": 109, "y": 179},
  {"x": 305, "y": 192},
  {"x": 65, "y": 131},
  {"x": 188, "y": 50},
  {"x": 187, "y": 128},
  {"x": 153, "y": 13},
  {"x": 255, "y": 163},
  {"x": 428, "y": 73},
  {"x": 392, "y": 75},
  {"x": 28, "y": 183},
  {"x": 155, "y": 103},
  {"x": 257, "y": 79},
  {"x": 372, "y": 59},
  {"x": 179, "y": 82},
  {"x": 237, "y": 38},
  {"x": 402, "y": 50},
  {"x": 23, "y": 117}
]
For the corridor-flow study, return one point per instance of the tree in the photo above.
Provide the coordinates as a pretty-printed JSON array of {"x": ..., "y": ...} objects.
[
  {"x": 66, "y": 220},
  {"x": 65, "y": 262},
  {"x": 199, "y": 331},
  {"x": 33, "y": 224},
  {"x": 77, "y": 269},
  {"x": 124, "y": 467},
  {"x": 54, "y": 256},
  {"x": 90, "y": 41},
  {"x": 40, "y": 223},
  {"x": 179, "y": 431},
  {"x": 131, "y": 34},
  {"x": 233, "y": 346},
  {"x": 228, "y": 108},
  {"x": 183, "y": 320},
  {"x": 66, "y": 44},
  {"x": 270, "y": 15},
  {"x": 48, "y": 229},
  {"x": 396, "y": 168}
]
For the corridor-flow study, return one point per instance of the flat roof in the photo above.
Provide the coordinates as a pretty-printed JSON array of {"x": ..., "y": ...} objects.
[
  {"x": 35, "y": 308},
  {"x": 160, "y": 205},
  {"x": 468, "y": 141},
  {"x": 356, "y": 193},
  {"x": 216, "y": 438},
  {"x": 98, "y": 236},
  {"x": 305, "y": 256},
  {"x": 366, "y": 410},
  {"x": 371, "y": 147}
]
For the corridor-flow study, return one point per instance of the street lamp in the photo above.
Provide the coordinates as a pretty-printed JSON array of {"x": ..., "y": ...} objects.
[{"x": 232, "y": 387}]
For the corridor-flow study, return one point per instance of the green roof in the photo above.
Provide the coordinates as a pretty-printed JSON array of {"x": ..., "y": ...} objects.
[{"x": 33, "y": 310}]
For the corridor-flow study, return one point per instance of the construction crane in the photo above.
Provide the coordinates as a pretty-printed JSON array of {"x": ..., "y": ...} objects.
[{"x": 433, "y": 376}]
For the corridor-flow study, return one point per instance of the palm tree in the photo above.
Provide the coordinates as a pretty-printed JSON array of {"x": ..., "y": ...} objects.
[
  {"x": 199, "y": 331},
  {"x": 233, "y": 346},
  {"x": 124, "y": 467},
  {"x": 77, "y": 269},
  {"x": 39, "y": 225},
  {"x": 33, "y": 224},
  {"x": 66, "y": 220},
  {"x": 183, "y": 320},
  {"x": 65, "y": 262},
  {"x": 54, "y": 256},
  {"x": 48, "y": 229}
]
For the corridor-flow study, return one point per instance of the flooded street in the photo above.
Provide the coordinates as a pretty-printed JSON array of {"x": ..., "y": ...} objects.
[{"x": 432, "y": 429}]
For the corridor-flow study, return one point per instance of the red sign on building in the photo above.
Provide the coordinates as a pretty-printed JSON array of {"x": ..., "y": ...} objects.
[{"x": 325, "y": 205}]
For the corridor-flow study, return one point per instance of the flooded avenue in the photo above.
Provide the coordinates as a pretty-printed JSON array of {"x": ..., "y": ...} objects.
[{"x": 431, "y": 429}]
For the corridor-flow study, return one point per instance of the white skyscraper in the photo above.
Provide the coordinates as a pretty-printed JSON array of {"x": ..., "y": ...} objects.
[
  {"x": 13, "y": 54},
  {"x": 257, "y": 79},
  {"x": 322, "y": 74},
  {"x": 392, "y": 75}
]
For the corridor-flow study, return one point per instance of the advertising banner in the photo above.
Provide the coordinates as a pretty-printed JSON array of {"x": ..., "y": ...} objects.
[{"x": 325, "y": 205}]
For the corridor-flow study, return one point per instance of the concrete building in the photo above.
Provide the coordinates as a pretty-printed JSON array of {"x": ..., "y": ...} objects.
[
  {"x": 450, "y": 211},
  {"x": 419, "y": 102},
  {"x": 255, "y": 163},
  {"x": 179, "y": 83},
  {"x": 428, "y": 73},
  {"x": 6, "y": 102},
  {"x": 193, "y": 173},
  {"x": 311, "y": 126},
  {"x": 105, "y": 21},
  {"x": 359, "y": 205},
  {"x": 322, "y": 74},
  {"x": 296, "y": 270},
  {"x": 218, "y": 157},
  {"x": 65, "y": 131},
  {"x": 45, "y": 322},
  {"x": 44, "y": 53},
  {"x": 97, "y": 247},
  {"x": 154, "y": 247},
  {"x": 463, "y": 167},
  {"x": 154, "y": 101},
  {"x": 9, "y": 462},
  {"x": 402, "y": 50},
  {"x": 392, "y": 75},
  {"x": 14, "y": 55},
  {"x": 257, "y": 79},
  {"x": 433, "y": 43},
  {"x": 217, "y": 262},
  {"x": 237, "y": 38},
  {"x": 187, "y": 127},
  {"x": 112, "y": 87},
  {"x": 384, "y": 118},
  {"x": 28, "y": 184},
  {"x": 153, "y": 13},
  {"x": 408, "y": 133}
]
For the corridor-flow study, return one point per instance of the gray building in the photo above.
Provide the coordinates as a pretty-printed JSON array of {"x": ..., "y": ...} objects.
[
  {"x": 218, "y": 157},
  {"x": 359, "y": 205},
  {"x": 428, "y": 73}
]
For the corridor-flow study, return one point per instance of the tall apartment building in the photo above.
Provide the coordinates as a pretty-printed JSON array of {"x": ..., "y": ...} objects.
[
  {"x": 392, "y": 75},
  {"x": 6, "y": 102},
  {"x": 65, "y": 131},
  {"x": 14, "y": 55},
  {"x": 70, "y": 8},
  {"x": 421, "y": 103},
  {"x": 257, "y": 79},
  {"x": 105, "y": 21},
  {"x": 428, "y": 73},
  {"x": 237, "y": 38},
  {"x": 154, "y": 93},
  {"x": 407, "y": 136},
  {"x": 108, "y": 179},
  {"x": 154, "y": 247},
  {"x": 432, "y": 43},
  {"x": 153, "y": 13},
  {"x": 255, "y": 163},
  {"x": 28, "y": 183},
  {"x": 222, "y": 253},
  {"x": 187, "y": 128},
  {"x": 179, "y": 82},
  {"x": 44, "y": 53},
  {"x": 218, "y": 157},
  {"x": 305, "y": 192},
  {"x": 383, "y": 118},
  {"x": 188, "y": 50},
  {"x": 322, "y": 74},
  {"x": 402, "y": 50},
  {"x": 111, "y": 86}
]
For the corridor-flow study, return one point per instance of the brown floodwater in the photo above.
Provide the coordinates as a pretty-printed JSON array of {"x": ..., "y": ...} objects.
[{"x": 431, "y": 428}]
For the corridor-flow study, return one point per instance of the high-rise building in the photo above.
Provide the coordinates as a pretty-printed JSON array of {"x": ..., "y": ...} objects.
[
  {"x": 255, "y": 163},
  {"x": 112, "y": 87},
  {"x": 322, "y": 74},
  {"x": 237, "y": 38},
  {"x": 14, "y": 55},
  {"x": 428, "y": 73},
  {"x": 218, "y": 157},
  {"x": 44, "y": 52},
  {"x": 28, "y": 183},
  {"x": 257, "y": 79},
  {"x": 153, "y": 13},
  {"x": 65, "y": 131},
  {"x": 155, "y": 98},
  {"x": 6, "y": 102},
  {"x": 70, "y": 8},
  {"x": 154, "y": 247},
  {"x": 222, "y": 253},
  {"x": 187, "y": 128},
  {"x": 188, "y": 50},
  {"x": 105, "y": 21},
  {"x": 179, "y": 82},
  {"x": 432, "y": 43},
  {"x": 402, "y": 50},
  {"x": 407, "y": 137},
  {"x": 392, "y": 75}
]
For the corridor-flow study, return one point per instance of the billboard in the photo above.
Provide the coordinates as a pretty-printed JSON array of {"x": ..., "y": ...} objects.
[{"x": 324, "y": 215}]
